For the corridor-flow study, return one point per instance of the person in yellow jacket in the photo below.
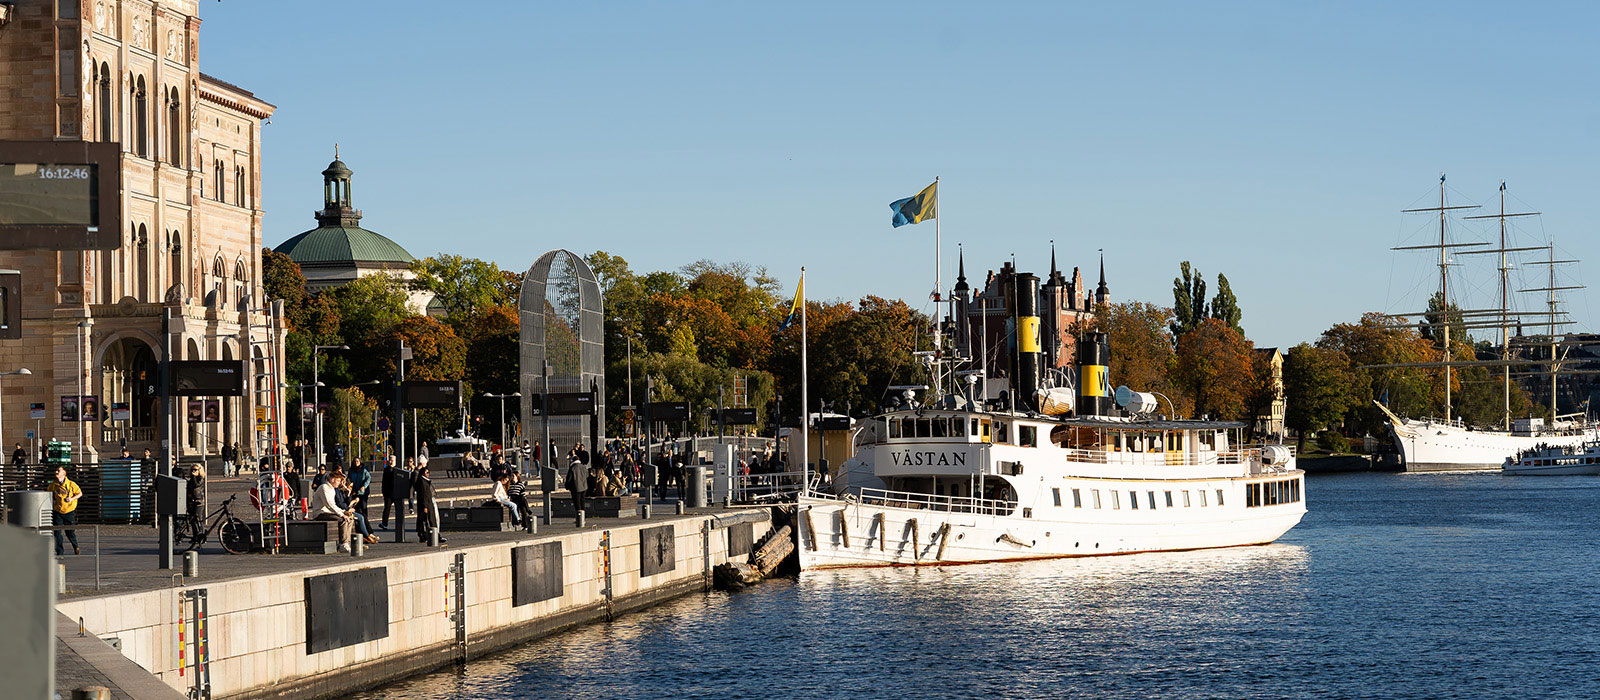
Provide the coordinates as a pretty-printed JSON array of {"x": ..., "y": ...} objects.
[{"x": 64, "y": 507}]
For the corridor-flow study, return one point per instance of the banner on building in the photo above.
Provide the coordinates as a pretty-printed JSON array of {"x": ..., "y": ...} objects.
[
  {"x": 213, "y": 410},
  {"x": 89, "y": 406},
  {"x": 196, "y": 407},
  {"x": 69, "y": 409}
]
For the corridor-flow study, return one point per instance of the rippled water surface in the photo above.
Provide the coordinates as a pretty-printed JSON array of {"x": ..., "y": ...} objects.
[{"x": 1418, "y": 586}]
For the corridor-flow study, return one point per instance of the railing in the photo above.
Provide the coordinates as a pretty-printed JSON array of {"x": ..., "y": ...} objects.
[
  {"x": 775, "y": 486},
  {"x": 927, "y": 501},
  {"x": 113, "y": 491},
  {"x": 1245, "y": 455},
  {"x": 141, "y": 434}
]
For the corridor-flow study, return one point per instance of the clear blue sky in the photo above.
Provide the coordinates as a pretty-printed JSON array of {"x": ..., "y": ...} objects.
[{"x": 1274, "y": 142}]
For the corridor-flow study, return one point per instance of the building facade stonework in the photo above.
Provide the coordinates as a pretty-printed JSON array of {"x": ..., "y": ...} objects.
[{"x": 127, "y": 72}]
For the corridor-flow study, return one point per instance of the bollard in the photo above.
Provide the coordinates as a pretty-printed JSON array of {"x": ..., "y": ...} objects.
[
  {"x": 533, "y": 523},
  {"x": 92, "y": 692},
  {"x": 61, "y": 578},
  {"x": 433, "y": 537},
  {"x": 580, "y": 518},
  {"x": 358, "y": 545},
  {"x": 697, "y": 487},
  {"x": 191, "y": 564},
  {"x": 644, "y": 511},
  {"x": 680, "y": 507}
]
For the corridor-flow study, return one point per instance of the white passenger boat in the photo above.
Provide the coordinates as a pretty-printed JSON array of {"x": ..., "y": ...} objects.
[
  {"x": 964, "y": 486},
  {"x": 1043, "y": 465},
  {"x": 1555, "y": 460}
]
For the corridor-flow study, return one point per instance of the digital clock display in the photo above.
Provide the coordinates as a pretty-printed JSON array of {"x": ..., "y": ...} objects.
[{"x": 48, "y": 194}]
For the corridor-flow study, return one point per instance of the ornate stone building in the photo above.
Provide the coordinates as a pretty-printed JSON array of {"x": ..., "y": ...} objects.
[{"x": 127, "y": 71}]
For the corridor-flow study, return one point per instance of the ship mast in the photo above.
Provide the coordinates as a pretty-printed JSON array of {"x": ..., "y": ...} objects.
[
  {"x": 1550, "y": 289},
  {"x": 1505, "y": 297},
  {"x": 1444, "y": 277}
]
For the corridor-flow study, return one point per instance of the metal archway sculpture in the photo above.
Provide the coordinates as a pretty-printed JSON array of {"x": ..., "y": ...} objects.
[{"x": 562, "y": 316}]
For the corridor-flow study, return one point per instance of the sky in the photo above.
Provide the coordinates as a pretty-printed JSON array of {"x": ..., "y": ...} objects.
[{"x": 1272, "y": 142}]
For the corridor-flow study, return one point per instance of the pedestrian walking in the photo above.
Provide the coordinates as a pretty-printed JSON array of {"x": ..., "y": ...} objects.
[
  {"x": 390, "y": 498},
  {"x": 577, "y": 483},
  {"x": 63, "y": 508},
  {"x": 428, "y": 509}
]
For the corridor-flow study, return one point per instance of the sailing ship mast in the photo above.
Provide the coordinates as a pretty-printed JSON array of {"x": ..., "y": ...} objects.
[
  {"x": 1505, "y": 297},
  {"x": 1444, "y": 276},
  {"x": 1550, "y": 290}
]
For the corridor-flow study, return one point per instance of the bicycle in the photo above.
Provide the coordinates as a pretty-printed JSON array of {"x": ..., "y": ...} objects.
[{"x": 232, "y": 531}]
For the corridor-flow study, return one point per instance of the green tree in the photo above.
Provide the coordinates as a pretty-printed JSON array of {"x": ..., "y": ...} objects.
[
  {"x": 1188, "y": 300},
  {"x": 1225, "y": 306},
  {"x": 1320, "y": 386},
  {"x": 459, "y": 284},
  {"x": 370, "y": 305}
]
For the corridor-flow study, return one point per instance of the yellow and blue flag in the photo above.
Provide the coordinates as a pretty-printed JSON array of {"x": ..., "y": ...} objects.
[
  {"x": 915, "y": 210},
  {"x": 797, "y": 306}
]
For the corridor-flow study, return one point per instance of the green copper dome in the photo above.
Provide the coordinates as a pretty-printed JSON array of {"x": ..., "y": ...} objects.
[{"x": 343, "y": 244}]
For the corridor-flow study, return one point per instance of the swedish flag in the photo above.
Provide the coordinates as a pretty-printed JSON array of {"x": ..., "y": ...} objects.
[
  {"x": 915, "y": 210},
  {"x": 799, "y": 303}
]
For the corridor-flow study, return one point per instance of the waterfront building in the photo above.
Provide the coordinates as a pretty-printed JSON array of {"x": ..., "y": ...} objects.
[
  {"x": 1270, "y": 421},
  {"x": 128, "y": 73},
  {"x": 339, "y": 251}
]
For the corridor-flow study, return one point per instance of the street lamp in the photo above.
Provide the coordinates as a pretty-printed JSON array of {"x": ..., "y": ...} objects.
[
  {"x": 24, "y": 371},
  {"x": 316, "y": 402},
  {"x": 502, "y": 398},
  {"x": 302, "y": 389},
  {"x": 354, "y": 447}
]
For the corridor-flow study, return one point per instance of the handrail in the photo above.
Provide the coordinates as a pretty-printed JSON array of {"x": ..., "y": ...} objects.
[{"x": 926, "y": 501}]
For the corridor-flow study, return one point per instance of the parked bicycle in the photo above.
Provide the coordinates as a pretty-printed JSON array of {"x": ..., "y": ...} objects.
[{"x": 231, "y": 531}]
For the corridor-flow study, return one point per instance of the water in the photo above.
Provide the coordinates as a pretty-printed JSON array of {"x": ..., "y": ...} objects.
[{"x": 1415, "y": 586}]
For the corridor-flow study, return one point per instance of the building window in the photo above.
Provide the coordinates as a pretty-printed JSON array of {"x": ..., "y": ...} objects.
[
  {"x": 174, "y": 128},
  {"x": 175, "y": 268},
  {"x": 238, "y": 185},
  {"x": 141, "y": 118},
  {"x": 241, "y": 283},
  {"x": 219, "y": 281},
  {"x": 142, "y": 241},
  {"x": 106, "y": 135},
  {"x": 217, "y": 176},
  {"x": 1056, "y": 493},
  {"x": 1077, "y": 499}
]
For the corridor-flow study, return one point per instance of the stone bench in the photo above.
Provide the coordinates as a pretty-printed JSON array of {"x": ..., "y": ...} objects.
[
  {"x": 494, "y": 518},
  {"x": 301, "y": 537},
  {"x": 595, "y": 507}
]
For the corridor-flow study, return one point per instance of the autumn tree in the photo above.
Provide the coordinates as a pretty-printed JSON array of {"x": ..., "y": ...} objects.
[
  {"x": 1141, "y": 349},
  {"x": 1216, "y": 369},
  {"x": 1320, "y": 386},
  {"x": 1374, "y": 345},
  {"x": 1188, "y": 300}
]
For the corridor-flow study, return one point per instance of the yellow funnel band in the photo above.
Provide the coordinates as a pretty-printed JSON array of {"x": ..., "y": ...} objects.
[
  {"x": 1028, "y": 334},
  {"x": 1094, "y": 380}
]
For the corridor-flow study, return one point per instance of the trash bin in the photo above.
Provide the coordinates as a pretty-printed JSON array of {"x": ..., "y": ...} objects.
[
  {"x": 697, "y": 487},
  {"x": 28, "y": 509}
]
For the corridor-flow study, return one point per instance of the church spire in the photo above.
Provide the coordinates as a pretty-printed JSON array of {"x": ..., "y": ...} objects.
[
  {"x": 961, "y": 270},
  {"x": 1056, "y": 280},
  {"x": 1102, "y": 292}
]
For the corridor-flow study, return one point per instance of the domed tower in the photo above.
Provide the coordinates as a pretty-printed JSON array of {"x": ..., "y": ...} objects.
[{"x": 339, "y": 250}]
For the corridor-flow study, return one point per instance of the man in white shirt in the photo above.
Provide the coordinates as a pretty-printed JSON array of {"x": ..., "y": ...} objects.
[{"x": 325, "y": 506}]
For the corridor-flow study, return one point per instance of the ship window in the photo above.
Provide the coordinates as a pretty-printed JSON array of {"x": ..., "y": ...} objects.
[
  {"x": 941, "y": 428},
  {"x": 975, "y": 426},
  {"x": 1250, "y": 495},
  {"x": 1152, "y": 497},
  {"x": 1208, "y": 439},
  {"x": 1136, "y": 442},
  {"x": 894, "y": 428},
  {"x": 1219, "y": 497},
  {"x": 1175, "y": 441},
  {"x": 1000, "y": 432},
  {"x": 957, "y": 427},
  {"x": 1186, "y": 499},
  {"x": 1202, "y": 498},
  {"x": 1077, "y": 499},
  {"x": 1169, "y": 499},
  {"x": 1096, "y": 493},
  {"x": 1155, "y": 442},
  {"x": 922, "y": 427},
  {"x": 1116, "y": 501},
  {"x": 1056, "y": 493},
  {"x": 1296, "y": 487},
  {"x": 984, "y": 426},
  {"x": 1028, "y": 436},
  {"x": 1133, "y": 500}
]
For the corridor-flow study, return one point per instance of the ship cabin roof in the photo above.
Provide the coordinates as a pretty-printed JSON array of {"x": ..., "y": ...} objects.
[{"x": 1098, "y": 434}]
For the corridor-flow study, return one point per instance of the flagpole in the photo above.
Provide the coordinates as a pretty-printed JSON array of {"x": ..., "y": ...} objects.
[
  {"x": 938, "y": 251},
  {"x": 805, "y": 399}
]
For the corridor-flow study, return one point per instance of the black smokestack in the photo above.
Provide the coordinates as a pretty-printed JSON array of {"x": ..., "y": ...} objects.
[
  {"x": 1094, "y": 387},
  {"x": 1026, "y": 379}
]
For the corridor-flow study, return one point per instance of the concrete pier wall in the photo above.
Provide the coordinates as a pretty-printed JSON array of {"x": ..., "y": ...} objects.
[{"x": 307, "y": 634}]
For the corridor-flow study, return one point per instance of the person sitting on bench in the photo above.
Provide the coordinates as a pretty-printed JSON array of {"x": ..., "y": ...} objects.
[
  {"x": 500, "y": 497},
  {"x": 325, "y": 506}
]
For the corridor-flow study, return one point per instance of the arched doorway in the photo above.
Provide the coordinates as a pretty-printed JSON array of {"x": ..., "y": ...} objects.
[{"x": 129, "y": 375}]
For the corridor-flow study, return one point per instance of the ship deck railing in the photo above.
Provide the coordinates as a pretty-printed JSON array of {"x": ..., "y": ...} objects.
[
  {"x": 768, "y": 487},
  {"x": 924, "y": 501},
  {"x": 1243, "y": 455}
]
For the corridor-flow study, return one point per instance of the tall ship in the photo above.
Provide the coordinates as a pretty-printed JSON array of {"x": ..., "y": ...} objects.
[
  {"x": 1448, "y": 443},
  {"x": 1019, "y": 450}
]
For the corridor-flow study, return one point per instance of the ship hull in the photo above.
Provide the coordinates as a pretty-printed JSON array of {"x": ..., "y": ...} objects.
[
  {"x": 844, "y": 533},
  {"x": 1429, "y": 446}
]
